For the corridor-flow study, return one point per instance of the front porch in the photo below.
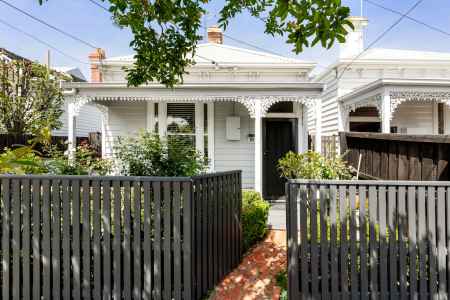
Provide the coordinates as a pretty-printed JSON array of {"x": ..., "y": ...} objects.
[
  {"x": 398, "y": 106},
  {"x": 243, "y": 126}
]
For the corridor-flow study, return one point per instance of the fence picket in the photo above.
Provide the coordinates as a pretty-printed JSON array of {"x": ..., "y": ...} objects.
[
  {"x": 157, "y": 248},
  {"x": 66, "y": 210},
  {"x": 391, "y": 219},
  {"x": 291, "y": 213},
  {"x": 422, "y": 240},
  {"x": 126, "y": 244},
  {"x": 363, "y": 241},
  {"x": 148, "y": 257},
  {"x": 117, "y": 241},
  {"x": 373, "y": 206},
  {"x": 441, "y": 241},
  {"x": 431, "y": 236},
  {"x": 304, "y": 241},
  {"x": 324, "y": 243},
  {"x": 412, "y": 240},
  {"x": 344, "y": 247},
  {"x": 15, "y": 242},
  {"x": 107, "y": 233},
  {"x": 334, "y": 243},
  {"x": 26, "y": 239},
  {"x": 46, "y": 253},
  {"x": 177, "y": 239},
  {"x": 137, "y": 264},
  {"x": 96, "y": 237},
  {"x": 314, "y": 247},
  {"x": 402, "y": 236},
  {"x": 36, "y": 236},
  {"x": 86, "y": 239},
  {"x": 76, "y": 246},
  {"x": 353, "y": 240}
]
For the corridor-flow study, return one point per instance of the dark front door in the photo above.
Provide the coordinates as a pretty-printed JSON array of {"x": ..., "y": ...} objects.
[{"x": 279, "y": 138}]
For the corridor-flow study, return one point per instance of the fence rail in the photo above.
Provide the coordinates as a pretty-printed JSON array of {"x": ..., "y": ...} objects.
[
  {"x": 79, "y": 237},
  {"x": 368, "y": 239}
]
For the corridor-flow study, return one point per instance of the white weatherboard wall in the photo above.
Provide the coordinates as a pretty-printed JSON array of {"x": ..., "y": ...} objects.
[
  {"x": 125, "y": 119},
  {"x": 89, "y": 120},
  {"x": 234, "y": 155},
  {"x": 416, "y": 117}
]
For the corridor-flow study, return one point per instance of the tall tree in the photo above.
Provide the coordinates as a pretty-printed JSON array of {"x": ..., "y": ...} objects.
[
  {"x": 166, "y": 32},
  {"x": 30, "y": 97}
]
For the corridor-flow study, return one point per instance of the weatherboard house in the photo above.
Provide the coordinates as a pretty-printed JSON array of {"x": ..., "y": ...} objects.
[{"x": 245, "y": 109}]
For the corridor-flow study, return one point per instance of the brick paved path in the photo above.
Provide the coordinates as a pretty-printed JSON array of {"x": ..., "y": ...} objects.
[{"x": 255, "y": 276}]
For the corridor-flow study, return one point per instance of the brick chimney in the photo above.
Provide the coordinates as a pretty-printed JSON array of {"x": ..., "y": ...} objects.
[
  {"x": 215, "y": 35},
  {"x": 95, "y": 58}
]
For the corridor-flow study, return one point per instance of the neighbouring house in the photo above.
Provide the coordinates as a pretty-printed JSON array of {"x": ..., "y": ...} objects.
[
  {"x": 384, "y": 90},
  {"x": 242, "y": 109},
  {"x": 89, "y": 119}
]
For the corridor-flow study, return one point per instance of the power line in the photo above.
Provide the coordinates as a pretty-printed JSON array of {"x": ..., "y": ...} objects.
[
  {"x": 42, "y": 42},
  {"x": 409, "y": 18},
  {"x": 48, "y": 25},
  {"x": 99, "y": 5},
  {"x": 383, "y": 34}
]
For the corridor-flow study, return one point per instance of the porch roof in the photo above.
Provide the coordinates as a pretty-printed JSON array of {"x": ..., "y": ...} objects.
[
  {"x": 396, "y": 91},
  {"x": 247, "y": 93}
]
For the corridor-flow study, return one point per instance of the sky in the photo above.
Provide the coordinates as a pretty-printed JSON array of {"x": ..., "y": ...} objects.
[{"x": 83, "y": 19}]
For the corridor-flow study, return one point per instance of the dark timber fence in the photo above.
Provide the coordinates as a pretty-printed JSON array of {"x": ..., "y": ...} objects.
[
  {"x": 398, "y": 156},
  {"x": 368, "y": 239},
  {"x": 76, "y": 237}
]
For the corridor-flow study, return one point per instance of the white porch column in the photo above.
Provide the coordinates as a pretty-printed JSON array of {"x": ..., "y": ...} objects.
[
  {"x": 210, "y": 107},
  {"x": 105, "y": 114},
  {"x": 258, "y": 147},
  {"x": 162, "y": 119},
  {"x": 386, "y": 112},
  {"x": 318, "y": 137},
  {"x": 200, "y": 128},
  {"x": 302, "y": 128},
  {"x": 72, "y": 138},
  {"x": 343, "y": 118},
  {"x": 151, "y": 121}
]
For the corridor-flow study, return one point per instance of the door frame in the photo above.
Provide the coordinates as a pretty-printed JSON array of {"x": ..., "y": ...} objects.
[{"x": 294, "y": 123}]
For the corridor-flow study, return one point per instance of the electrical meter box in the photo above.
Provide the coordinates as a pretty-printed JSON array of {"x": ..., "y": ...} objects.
[{"x": 233, "y": 128}]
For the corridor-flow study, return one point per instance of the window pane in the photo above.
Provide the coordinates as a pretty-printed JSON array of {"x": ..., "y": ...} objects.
[{"x": 181, "y": 118}]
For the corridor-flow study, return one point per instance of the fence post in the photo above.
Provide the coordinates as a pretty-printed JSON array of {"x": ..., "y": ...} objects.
[{"x": 292, "y": 241}]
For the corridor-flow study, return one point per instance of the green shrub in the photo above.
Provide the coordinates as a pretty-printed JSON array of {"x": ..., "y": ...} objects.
[
  {"x": 148, "y": 155},
  {"x": 282, "y": 281},
  {"x": 312, "y": 165},
  {"x": 86, "y": 162},
  {"x": 255, "y": 212}
]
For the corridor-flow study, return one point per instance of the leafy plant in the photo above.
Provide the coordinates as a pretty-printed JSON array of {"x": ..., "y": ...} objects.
[
  {"x": 148, "y": 155},
  {"x": 86, "y": 162},
  {"x": 312, "y": 165},
  {"x": 282, "y": 281},
  {"x": 166, "y": 32},
  {"x": 255, "y": 214},
  {"x": 30, "y": 98}
]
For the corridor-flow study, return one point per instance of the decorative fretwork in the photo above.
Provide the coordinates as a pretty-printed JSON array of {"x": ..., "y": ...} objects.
[{"x": 250, "y": 102}]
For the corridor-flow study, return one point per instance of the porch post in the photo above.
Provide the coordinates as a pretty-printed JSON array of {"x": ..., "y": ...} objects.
[
  {"x": 151, "y": 116},
  {"x": 386, "y": 112},
  {"x": 302, "y": 128},
  {"x": 200, "y": 128},
  {"x": 318, "y": 138},
  {"x": 72, "y": 136},
  {"x": 211, "y": 135},
  {"x": 258, "y": 147},
  {"x": 162, "y": 120}
]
